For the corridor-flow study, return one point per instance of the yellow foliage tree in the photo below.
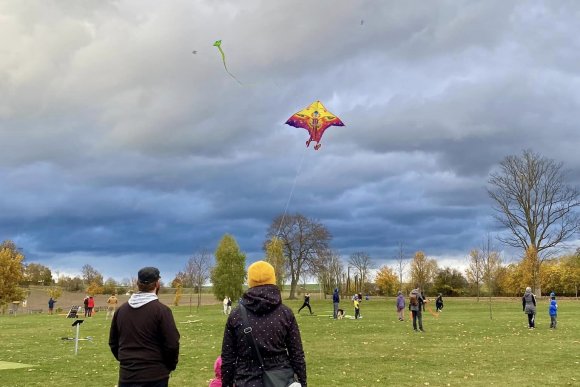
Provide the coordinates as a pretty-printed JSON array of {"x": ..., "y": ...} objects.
[
  {"x": 11, "y": 273},
  {"x": 95, "y": 288},
  {"x": 387, "y": 280},
  {"x": 530, "y": 266},
  {"x": 178, "y": 294},
  {"x": 275, "y": 256},
  {"x": 422, "y": 269},
  {"x": 55, "y": 292}
]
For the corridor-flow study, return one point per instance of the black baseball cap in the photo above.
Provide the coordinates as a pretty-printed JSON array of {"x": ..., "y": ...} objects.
[{"x": 148, "y": 275}]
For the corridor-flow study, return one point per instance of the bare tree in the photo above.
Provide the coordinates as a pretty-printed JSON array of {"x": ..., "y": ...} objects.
[
  {"x": 303, "y": 240},
  {"x": 475, "y": 269},
  {"x": 401, "y": 264},
  {"x": 491, "y": 261},
  {"x": 328, "y": 269},
  {"x": 533, "y": 202},
  {"x": 362, "y": 264},
  {"x": 198, "y": 269}
]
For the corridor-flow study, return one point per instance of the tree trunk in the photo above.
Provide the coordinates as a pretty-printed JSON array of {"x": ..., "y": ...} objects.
[{"x": 293, "y": 284}]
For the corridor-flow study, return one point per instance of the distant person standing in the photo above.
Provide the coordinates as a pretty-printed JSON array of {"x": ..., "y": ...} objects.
[
  {"x": 439, "y": 303},
  {"x": 417, "y": 306},
  {"x": 335, "y": 302},
  {"x": 225, "y": 304},
  {"x": 401, "y": 306},
  {"x": 143, "y": 336},
  {"x": 91, "y": 305},
  {"x": 229, "y": 306},
  {"x": 553, "y": 310},
  {"x": 306, "y": 303},
  {"x": 51, "y": 302},
  {"x": 111, "y": 306},
  {"x": 86, "y": 306},
  {"x": 529, "y": 306},
  {"x": 356, "y": 303}
]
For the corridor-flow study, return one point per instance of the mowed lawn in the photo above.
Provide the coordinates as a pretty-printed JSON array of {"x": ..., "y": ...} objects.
[{"x": 462, "y": 347}]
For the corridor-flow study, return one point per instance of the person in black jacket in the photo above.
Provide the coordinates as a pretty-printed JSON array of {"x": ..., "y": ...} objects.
[
  {"x": 274, "y": 328},
  {"x": 306, "y": 303},
  {"x": 143, "y": 336}
]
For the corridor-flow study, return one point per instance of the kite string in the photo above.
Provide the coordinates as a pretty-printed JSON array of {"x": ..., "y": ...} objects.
[{"x": 291, "y": 191}]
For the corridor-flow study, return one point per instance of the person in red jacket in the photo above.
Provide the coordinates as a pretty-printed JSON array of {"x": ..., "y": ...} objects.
[
  {"x": 143, "y": 336},
  {"x": 91, "y": 305}
]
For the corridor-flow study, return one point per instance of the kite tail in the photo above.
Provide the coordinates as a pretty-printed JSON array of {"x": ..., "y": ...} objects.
[
  {"x": 291, "y": 193},
  {"x": 226, "y": 67},
  {"x": 432, "y": 313}
]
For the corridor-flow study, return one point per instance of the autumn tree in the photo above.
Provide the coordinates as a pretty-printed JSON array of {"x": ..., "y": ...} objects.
[
  {"x": 110, "y": 286},
  {"x": 274, "y": 250},
  {"x": 11, "y": 273},
  {"x": 37, "y": 274},
  {"x": 422, "y": 269},
  {"x": 95, "y": 288},
  {"x": 474, "y": 270},
  {"x": 530, "y": 266},
  {"x": 387, "y": 281},
  {"x": 303, "y": 239},
  {"x": 534, "y": 203},
  {"x": 449, "y": 282},
  {"x": 91, "y": 275},
  {"x": 229, "y": 273},
  {"x": 362, "y": 264},
  {"x": 55, "y": 292}
]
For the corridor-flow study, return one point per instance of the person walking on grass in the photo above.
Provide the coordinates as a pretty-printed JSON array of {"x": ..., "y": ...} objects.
[
  {"x": 143, "y": 336},
  {"x": 401, "y": 306},
  {"x": 335, "y": 302},
  {"x": 417, "y": 307},
  {"x": 111, "y": 306},
  {"x": 553, "y": 311},
  {"x": 529, "y": 306},
  {"x": 439, "y": 303},
  {"x": 306, "y": 303}
]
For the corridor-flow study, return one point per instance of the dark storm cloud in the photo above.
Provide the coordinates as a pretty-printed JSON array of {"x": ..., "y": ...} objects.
[{"x": 120, "y": 146}]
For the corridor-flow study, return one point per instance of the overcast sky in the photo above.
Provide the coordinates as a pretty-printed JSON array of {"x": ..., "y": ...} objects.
[{"x": 124, "y": 142}]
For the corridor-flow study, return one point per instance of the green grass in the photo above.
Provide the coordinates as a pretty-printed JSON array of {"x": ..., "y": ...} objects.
[{"x": 462, "y": 347}]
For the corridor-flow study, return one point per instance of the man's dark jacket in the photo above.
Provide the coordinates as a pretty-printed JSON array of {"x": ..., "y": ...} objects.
[
  {"x": 276, "y": 332},
  {"x": 145, "y": 341}
]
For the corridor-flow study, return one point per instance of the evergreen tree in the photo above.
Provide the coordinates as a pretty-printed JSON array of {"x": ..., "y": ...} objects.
[{"x": 229, "y": 273}]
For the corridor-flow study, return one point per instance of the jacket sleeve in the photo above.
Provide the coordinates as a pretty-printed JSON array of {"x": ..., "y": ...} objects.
[
  {"x": 229, "y": 353},
  {"x": 295, "y": 350},
  {"x": 524, "y": 304},
  {"x": 171, "y": 344},
  {"x": 114, "y": 337}
]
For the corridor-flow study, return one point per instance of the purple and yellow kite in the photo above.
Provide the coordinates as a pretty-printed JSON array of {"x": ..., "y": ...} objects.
[{"x": 315, "y": 119}]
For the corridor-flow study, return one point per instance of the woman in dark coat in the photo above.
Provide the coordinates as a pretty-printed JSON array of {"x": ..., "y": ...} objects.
[{"x": 274, "y": 328}]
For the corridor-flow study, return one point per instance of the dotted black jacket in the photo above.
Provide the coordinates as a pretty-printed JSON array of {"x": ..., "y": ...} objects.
[{"x": 276, "y": 333}]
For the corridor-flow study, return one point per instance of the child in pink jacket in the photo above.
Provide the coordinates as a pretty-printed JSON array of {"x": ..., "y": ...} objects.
[{"x": 217, "y": 366}]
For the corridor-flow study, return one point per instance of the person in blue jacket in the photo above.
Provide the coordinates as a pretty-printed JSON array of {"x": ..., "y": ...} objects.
[
  {"x": 553, "y": 310},
  {"x": 335, "y": 302}
]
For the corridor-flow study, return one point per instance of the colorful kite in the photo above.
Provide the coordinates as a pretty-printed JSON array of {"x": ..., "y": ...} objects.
[
  {"x": 218, "y": 44},
  {"x": 315, "y": 119}
]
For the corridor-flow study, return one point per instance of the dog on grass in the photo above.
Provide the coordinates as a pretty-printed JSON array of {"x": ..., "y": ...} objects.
[{"x": 340, "y": 314}]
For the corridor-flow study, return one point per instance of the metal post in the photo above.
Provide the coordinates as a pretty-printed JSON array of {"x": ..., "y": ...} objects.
[{"x": 77, "y": 339}]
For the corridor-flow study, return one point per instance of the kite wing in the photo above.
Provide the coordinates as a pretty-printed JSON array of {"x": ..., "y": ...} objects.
[{"x": 315, "y": 119}]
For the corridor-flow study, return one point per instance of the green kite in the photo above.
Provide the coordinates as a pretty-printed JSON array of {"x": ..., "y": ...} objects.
[{"x": 218, "y": 44}]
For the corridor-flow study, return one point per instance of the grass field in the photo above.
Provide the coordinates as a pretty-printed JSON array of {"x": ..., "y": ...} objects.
[{"x": 462, "y": 347}]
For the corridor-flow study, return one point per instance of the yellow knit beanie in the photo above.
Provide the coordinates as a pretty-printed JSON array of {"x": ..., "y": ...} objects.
[{"x": 261, "y": 273}]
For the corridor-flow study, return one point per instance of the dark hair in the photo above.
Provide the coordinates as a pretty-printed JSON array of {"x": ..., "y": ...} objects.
[{"x": 146, "y": 287}]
